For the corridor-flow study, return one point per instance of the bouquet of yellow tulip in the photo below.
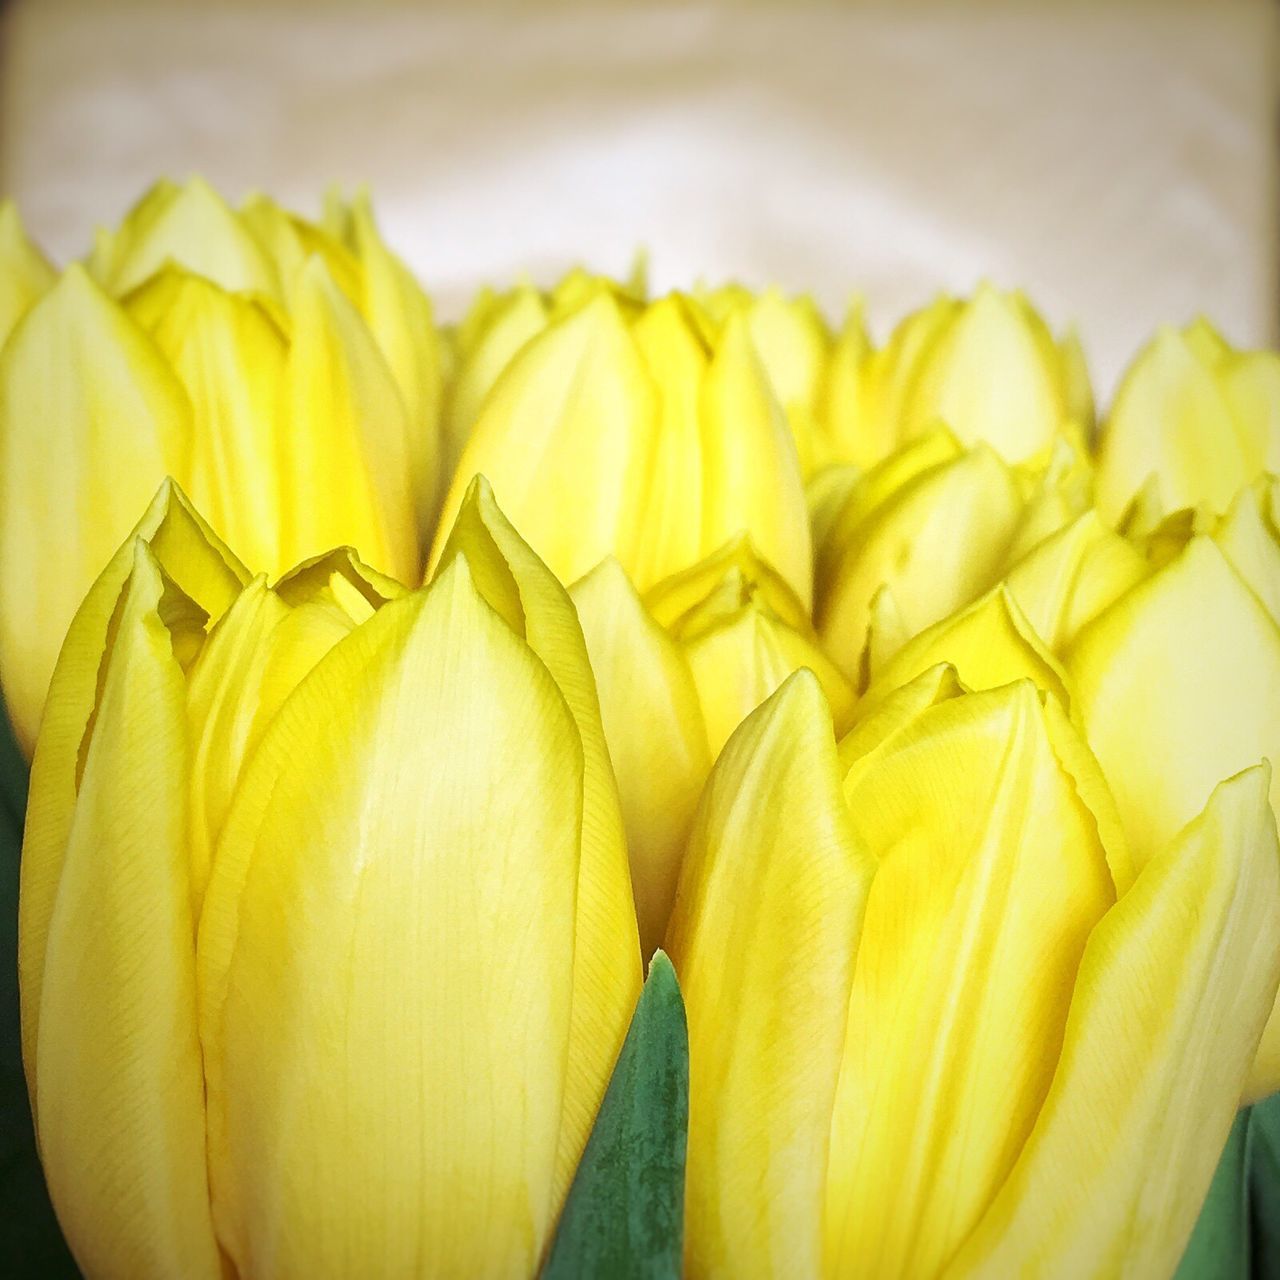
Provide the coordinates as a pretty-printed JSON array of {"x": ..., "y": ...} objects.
[{"x": 396, "y": 696}]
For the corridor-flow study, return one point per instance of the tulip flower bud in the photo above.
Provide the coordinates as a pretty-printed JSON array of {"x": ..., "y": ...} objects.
[
  {"x": 918, "y": 1068},
  {"x": 793, "y": 344},
  {"x": 626, "y": 435},
  {"x": 253, "y": 379},
  {"x": 25, "y": 274},
  {"x": 917, "y": 537},
  {"x": 678, "y": 671},
  {"x": 235, "y": 912},
  {"x": 988, "y": 368},
  {"x": 1193, "y": 418}
]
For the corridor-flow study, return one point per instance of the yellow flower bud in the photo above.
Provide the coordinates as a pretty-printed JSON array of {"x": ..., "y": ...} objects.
[
  {"x": 1194, "y": 420},
  {"x": 988, "y": 368},
  {"x": 936, "y": 1025},
  {"x": 620, "y": 432},
  {"x": 289, "y": 382},
  {"x": 269, "y": 873}
]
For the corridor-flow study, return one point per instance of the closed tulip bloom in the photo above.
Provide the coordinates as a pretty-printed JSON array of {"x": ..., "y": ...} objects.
[
  {"x": 988, "y": 368},
  {"x": 1192, "y": 421},
  {"x": 678, "y": 670},
  {"x": 251, "y": 376},
  {"x": 923, "y": 534},
  {"x": 938, "y": 1026},
  {"x": 621, "y": 432},
  {"x": 317, "y": 993}
]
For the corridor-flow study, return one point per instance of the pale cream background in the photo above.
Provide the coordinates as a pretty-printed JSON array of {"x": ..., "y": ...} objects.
[{"x": 1117, "y": 159}]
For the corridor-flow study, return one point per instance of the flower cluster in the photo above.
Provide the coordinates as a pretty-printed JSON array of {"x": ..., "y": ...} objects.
[{"x": 921, "y": 717}]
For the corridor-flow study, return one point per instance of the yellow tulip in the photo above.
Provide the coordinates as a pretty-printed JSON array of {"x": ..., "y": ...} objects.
[
  {"x": 678, "y": 670},
  {"x": 923, "y": 534},
  {"x": 937, "y": 1026},
  {"x": 298, "y": 851},
  {"x": 617, "y": 431},
  {"x": 986, "y": 367},
  {"x": 222, "y": 350},
  {"x": 25, "y": 273},
  {"x": 1192, "y": 422},
  {"x": 794, "y": 345}
]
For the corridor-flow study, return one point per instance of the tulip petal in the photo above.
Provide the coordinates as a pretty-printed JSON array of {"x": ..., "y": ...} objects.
[
  {"x": 607, "y": 973},
  {"x": 1250, "y": 540},
  {"x": 385, "y": 924},
  {"x": 117, "y": 1077},
  {"x": 1072, "y": 576},
  {"x": 751, "y": 471},
  {"x": 194, "y": 227},
  {"x": 763, "y": 936},
  {"x": 1173, "y": 990},
  {"x": 230, "y": 357},
  {"x": 558, "y": 437},
  {"x": 91, "y": 420},
  {"x": 654, "y": 728},
  {"x": 348, "y": 443},
  {"x": 991, "y": 876},
  {"x": 1178, "y": 686},
  {"x": 401, "y": 320},
  {"x": 190, "y": 555},
  {"x": 25, "y": 273}
]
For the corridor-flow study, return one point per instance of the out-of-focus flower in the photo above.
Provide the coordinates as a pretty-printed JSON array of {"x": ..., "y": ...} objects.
[
  {"x": 282, "y": 376},
  {"x": 1192, "y": 422},
  {"x": 677, "y": 672},
  {"x": 937, "y": 1024},
  {"x": 25, "y": 273},
  {"x": 620, "y": 431},
  {"x": 293, "y": 853},
  {"x": 923, "y": 534},
  {"x": 986, "y": 367}
]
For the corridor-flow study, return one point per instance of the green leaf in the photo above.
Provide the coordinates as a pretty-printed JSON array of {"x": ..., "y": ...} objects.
[
  {"x": 1219, "y": 1248},
  {"x": 30, "y": 1241},
  {"x": 1264, "y": 1185},
  {"x": 624, "y": 1217}
]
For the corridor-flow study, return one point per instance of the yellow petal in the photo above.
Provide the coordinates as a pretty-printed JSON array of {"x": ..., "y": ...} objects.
[
  {"x": 1073, "y": 576},
  {"x": 654, "y": 728},
  {"x": 938, "y": 541},
  {"x": 671, "y": 535},
  {"x": 347, "y": 468},
  {"x": 987, "y": 376},
  {"x": 558, "y": 437},
  {"x": 502, "y": 329},
  {"x": 990, "y": 878},
  {"x": 25, "y": 273},
  {"x": 849, "y": 434},
  {"x": 1250, "y": 540},
  {"x": 763, "y": 938},
  {"x": 192, "y": 226},
  {"x": 205, "y": 571},
  {"x": 741, "y": 658},
  {"x": 989, "y": 643},
  {"x": 230, "y": 357},
  {"x": 91, "y": 420},
  {"x": 751, "y": 472},
  {"x": 1169, "y": 1002},
  {"x": 392, "y": 917},
  {"x": 1078, "y": 388},
  {"x": 607, "y": 973},
  {"x": 116, "y": 1073},
  {"x": 1251, "y": 380},
  {"x": 1178, "y": 686},
  {"x": 401, "y": 320},
  {"x": 735, "y": 567},
  {"x": 1171, "y": 420},
  {"x": 291, "y": 242}
]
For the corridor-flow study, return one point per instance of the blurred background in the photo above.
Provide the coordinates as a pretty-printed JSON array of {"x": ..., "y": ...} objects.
[{"x": 1117, "y": 159}]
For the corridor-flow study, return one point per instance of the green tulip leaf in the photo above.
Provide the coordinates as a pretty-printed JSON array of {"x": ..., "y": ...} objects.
[{"x": 624, "y": 1217}]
